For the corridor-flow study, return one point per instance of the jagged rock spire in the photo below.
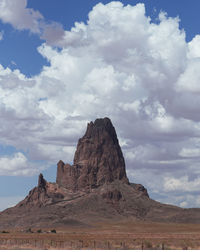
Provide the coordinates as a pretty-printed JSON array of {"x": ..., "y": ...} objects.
[
  {"x": 98, "y": 159},
  {"x": 41, "y": 182}
]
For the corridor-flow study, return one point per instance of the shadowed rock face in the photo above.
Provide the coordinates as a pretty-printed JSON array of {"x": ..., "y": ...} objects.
[
  {"x": 140, "y": 188},
  {"x": 41, "y": 182},
  {"x": 98, "y": 159},
  {"x": 67, "y": 175}
]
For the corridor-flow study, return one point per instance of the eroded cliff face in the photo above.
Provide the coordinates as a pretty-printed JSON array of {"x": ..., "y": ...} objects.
[
  {"x": 67, "y": 176},
  {"x": 98, "y": 159},
  {"x": 45, "y": 193}
]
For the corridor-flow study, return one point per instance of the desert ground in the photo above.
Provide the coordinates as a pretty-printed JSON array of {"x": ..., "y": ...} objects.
[{"x": 126, "y": 235}]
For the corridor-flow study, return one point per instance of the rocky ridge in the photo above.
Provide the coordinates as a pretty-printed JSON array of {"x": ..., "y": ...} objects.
[{"x": 98, "y": 160}]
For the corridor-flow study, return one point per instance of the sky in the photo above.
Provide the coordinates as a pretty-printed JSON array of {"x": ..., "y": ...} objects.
[{"x": 65, "y": 63}]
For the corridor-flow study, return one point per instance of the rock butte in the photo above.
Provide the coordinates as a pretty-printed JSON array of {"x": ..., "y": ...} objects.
[{"x": 94, "y": 189}]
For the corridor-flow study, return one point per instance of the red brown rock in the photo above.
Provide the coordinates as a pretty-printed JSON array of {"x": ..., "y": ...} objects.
[
  {"x": 114, "y": 195},
  {"x": 140, "y": 188},
  {"x": 67, "y": 175},
  {"x": 45, "y": 193},
  {"x": 41, "y": 182},
  {"x": 98, "y": 159}
]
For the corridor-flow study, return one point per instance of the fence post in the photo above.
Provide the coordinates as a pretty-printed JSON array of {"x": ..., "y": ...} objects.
[{"x": 123, "y": 245}]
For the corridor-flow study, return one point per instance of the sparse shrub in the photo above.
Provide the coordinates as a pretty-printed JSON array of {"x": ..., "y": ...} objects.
[
  {"x": 39, "y": 231},
  {"x": 4, "y": 232},
  {"x": 148, "y": 244},
  {"x": 29, "y": 230},
  {"x": 53, "y": 231}
]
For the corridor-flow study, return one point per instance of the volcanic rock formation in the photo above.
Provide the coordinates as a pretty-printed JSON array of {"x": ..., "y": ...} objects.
[
  {"x": 98, "y": 159},
  {"x": 95, "y": 188}
]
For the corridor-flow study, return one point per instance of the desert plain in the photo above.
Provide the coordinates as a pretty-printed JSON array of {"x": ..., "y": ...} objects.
[{"x": 123, "y": 235}]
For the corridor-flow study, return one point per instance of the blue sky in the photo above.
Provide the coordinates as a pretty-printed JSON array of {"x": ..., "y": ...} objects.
[{"x": 134, "y": 61}]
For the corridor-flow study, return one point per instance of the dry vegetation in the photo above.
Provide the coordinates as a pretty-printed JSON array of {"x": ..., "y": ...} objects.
[{"x": 113, "y": 236}]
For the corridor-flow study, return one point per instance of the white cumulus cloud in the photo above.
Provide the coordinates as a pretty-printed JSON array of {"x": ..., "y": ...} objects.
[
  {"x": 18, "y": 164},
  {"x": 20, "y": 17}
]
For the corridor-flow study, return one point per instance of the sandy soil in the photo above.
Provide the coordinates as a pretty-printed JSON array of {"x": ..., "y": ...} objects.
[{"x": 125, "y": 235}]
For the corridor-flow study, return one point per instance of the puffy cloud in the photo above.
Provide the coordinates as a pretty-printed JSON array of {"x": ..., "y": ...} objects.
[
  {"x": 193, "y": 46},
  {"x": 190, "y": 152},
  {"x": 181, "y": 183},
  {"x": 18, "y": 164},
  {"x": 20, "y": 17},
  {"x": 52, "y": 33},
  {"x": 189, "y": 80},
  {"x": 143, "y": 75}
]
